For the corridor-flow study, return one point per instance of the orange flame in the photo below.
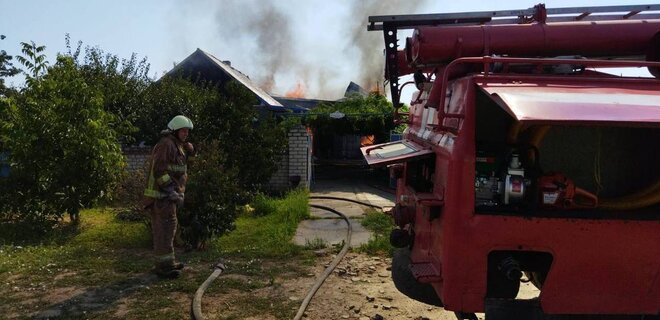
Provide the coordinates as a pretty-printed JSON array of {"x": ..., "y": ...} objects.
[
  {"x": 376, "y": 88},
  {"x": 297, "y": 92},
  {"x": 366, "y": 140}
]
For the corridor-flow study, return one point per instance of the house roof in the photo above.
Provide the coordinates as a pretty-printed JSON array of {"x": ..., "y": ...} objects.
[
  {"x": 298, "y": 105},
  {"x": 201, "y": 61}
]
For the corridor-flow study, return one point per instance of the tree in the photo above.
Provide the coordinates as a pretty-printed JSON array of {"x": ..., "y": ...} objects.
[
  {"x": 168, "y": 97},
  {"x": 252, "y": 142},
  {"x": 34, "y": 61},
  {"x": 121, "y": 81},
  {"x": 63, "y": 150},
  {"x": 7, "y": 69}
]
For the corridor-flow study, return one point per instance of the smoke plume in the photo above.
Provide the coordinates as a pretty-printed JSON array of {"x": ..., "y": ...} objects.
[
  {"x": 370, "y": 45},
  {"x": 285, "y": 45}
]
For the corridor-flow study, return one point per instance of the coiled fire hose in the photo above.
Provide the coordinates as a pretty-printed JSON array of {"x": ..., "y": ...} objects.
[{"x": 220, "y": 267}]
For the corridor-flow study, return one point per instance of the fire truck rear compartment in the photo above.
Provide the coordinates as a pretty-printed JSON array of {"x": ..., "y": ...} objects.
[{"x": 615, "y": 163}]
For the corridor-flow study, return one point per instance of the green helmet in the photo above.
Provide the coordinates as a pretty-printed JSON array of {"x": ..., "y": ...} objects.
[{"x": 179, "y": 122}]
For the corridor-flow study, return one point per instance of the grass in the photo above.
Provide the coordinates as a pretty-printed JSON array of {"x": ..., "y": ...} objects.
[
  {"x": 269, "y": 234},
  {"x": 315, "y": 244},
  {"x": 103, "y": 267},
  {"x": 381, "y": 225}
]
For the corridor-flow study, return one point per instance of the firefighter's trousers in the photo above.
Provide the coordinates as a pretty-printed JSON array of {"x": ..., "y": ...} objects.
[{"x": 163, "y": 227}]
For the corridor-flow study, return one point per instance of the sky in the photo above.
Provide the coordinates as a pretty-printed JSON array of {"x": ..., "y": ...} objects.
[{"x": 318, "y": 45}]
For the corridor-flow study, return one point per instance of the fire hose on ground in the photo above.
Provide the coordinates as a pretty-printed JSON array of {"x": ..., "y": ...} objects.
[
  {"x": 197, "y": 300},
  {"x": 220, "y": 267}
]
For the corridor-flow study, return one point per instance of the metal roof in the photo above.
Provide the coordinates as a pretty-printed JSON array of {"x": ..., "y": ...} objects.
[
  {"x": 233, "y": 73},
  {"x": 583, "y": 102}
]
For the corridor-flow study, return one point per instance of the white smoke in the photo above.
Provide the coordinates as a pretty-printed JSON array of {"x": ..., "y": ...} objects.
[{"x": 279, "y": 44}]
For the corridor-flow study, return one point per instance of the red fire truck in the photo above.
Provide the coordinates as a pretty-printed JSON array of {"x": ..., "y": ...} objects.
[{"x": 526, "y": 160}]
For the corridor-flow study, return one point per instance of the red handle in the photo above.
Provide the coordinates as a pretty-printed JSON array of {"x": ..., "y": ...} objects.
[{"x": 581, "y": 195}]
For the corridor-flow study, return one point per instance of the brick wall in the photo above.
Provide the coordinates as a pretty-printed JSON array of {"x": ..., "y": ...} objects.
[
  {"x": 279, "y": 181},
  {"x": 136, "y": 157},
  {"x": 294, "y": 168},
  {"x": 299, "y": 156}
]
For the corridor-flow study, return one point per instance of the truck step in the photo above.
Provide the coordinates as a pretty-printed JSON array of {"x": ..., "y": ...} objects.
[{"x": 425, "y": 272}]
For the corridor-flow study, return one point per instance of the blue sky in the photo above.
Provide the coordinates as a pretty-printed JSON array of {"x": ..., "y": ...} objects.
[{"x": 320, "y": 44}]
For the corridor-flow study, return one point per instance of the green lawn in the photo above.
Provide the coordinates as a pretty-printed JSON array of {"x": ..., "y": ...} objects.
[{"x": 102, "y": 268}]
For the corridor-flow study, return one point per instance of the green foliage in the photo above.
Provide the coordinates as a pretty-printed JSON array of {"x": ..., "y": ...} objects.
[
  {"x": 315, "y": 244},
  {"x": 64, "y": 128},
  {"x": 128, "y": 195},
  {"x": 172, "y": 96},
  {"x": 92, "y": 245},
  {"x": 269, "y": 235},
  {"x": 371, "y": 115},
  {"x": 262, "y": 205},
  {"x": 381, "y": 225},
  {"x": 64, "y": 153},
  {"x": 364, "y": 116},
  {"x": 109, "y": 260},
  {"x": 34, "y": 61},
  {"x": 212, "y": 197},
  {"x": 120, "y": 81},
  {"x": 378, "y": 222},
  {"x": 252, "y": 143},
  {"x": 238, "y": 150},
  {"x": 7, "y": 69}
]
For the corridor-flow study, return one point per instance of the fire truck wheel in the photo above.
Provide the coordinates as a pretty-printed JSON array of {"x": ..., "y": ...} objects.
[{"x": 406, "y": 283}]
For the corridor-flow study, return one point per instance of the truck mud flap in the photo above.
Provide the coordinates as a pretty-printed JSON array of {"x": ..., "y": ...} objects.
[{"x": 406, "y": 283}]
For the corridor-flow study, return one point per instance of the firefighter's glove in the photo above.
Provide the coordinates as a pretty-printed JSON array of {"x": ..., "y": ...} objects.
[
  {"x": 179, "y": 201},
  {"x": 173, "y": 195},
  {"x": 191, "y": 151}
]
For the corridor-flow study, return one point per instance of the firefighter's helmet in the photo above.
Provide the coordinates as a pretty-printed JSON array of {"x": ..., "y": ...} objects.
[{"x": 179, "y": 122}]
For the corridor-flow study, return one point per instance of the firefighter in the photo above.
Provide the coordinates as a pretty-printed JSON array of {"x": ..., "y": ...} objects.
[{"x": 165, "y": 192}]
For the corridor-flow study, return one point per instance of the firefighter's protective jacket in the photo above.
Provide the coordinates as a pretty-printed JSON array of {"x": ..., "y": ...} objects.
[{"x": 167, "y": 169}]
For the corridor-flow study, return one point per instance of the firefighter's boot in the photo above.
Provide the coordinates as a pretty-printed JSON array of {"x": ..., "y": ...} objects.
[
  {"x": 168, "y": 269},
  {"x": 165, "y": 267}
]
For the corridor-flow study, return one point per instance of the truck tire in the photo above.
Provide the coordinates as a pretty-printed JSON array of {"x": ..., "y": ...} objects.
[{"x": 406, "y": 283}]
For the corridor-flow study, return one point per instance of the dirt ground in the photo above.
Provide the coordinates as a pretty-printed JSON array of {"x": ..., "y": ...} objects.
[{"x": 359, "y": 288}]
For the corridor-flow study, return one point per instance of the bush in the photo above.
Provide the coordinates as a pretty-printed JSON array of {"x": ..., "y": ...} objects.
[
  {"x": 63, "y": 150},
  {"x": 252, "y": 143},
  {"x": 212, "y": 198}
]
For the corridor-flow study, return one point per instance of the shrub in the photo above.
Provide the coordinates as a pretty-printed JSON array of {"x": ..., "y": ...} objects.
[
  {"x": 212, "y": 198},
  {"x": 63, "y": 150}
]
